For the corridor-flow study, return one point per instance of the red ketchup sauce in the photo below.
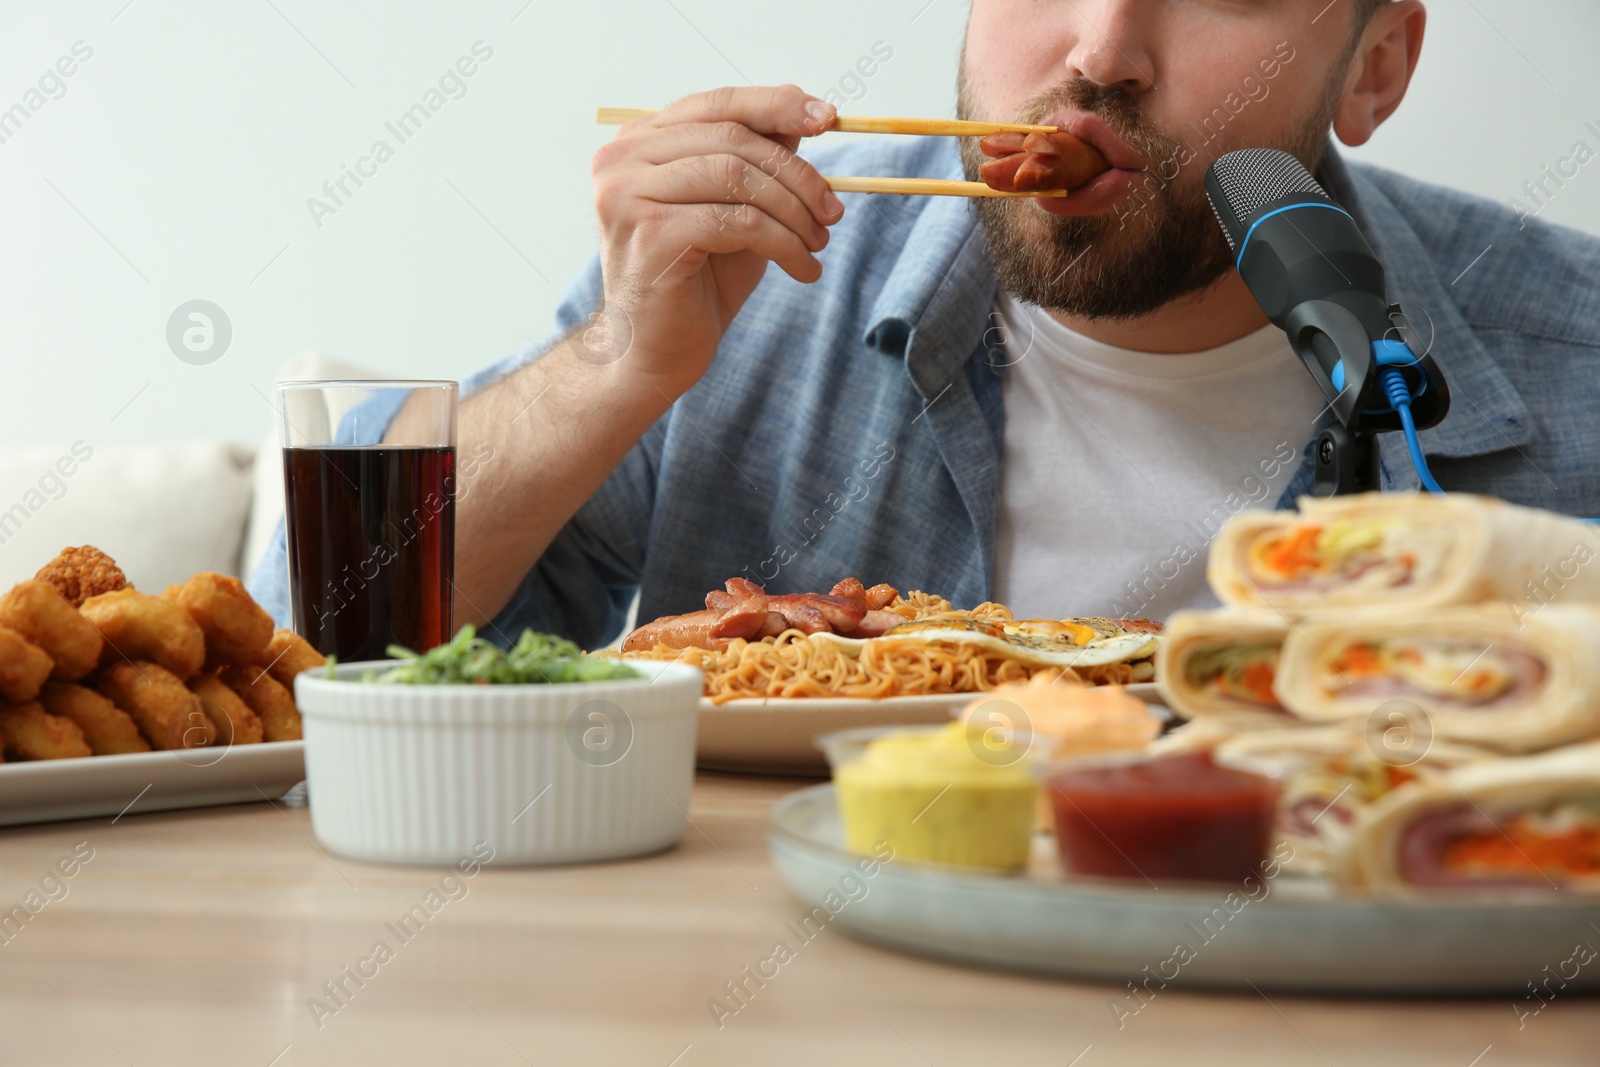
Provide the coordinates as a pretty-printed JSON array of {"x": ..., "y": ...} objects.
[{"x": 1176, "y": 817}]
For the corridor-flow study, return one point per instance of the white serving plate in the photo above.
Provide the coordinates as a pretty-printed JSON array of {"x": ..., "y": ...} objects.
[
  {"x": 777, "y": 736},
  {"x": 52, "y": 790},
  {"x": 1298, "y": 937}
]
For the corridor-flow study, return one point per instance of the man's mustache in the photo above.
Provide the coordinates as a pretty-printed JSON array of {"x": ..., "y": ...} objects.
[{"x": 1112, "y": 106}]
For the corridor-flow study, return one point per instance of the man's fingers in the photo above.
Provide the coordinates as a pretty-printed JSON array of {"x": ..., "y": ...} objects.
[
  {"x": 741, "y": 227},
  {"x": 728, "y": 179},
  {"x": 679, "y": 236},
  {"x": 784, "y": 110},
  {"x": 716, "y": 174},
  {"x": 773, "y": 161}
]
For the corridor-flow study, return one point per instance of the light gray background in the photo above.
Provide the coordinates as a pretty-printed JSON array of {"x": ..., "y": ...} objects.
[{"x": 178, "y": 164}]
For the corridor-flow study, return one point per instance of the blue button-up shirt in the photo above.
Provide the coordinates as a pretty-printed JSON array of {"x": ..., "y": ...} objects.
[{"x": 853, "y": 426}]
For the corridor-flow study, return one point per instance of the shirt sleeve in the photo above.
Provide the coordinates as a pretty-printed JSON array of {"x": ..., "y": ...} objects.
[
  {"x": 583, "y": 585},
  {"x": 269, "y": 581}
]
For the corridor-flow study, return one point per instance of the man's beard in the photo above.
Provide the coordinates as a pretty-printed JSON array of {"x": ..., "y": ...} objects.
[{"x": 1160, "y": 243}]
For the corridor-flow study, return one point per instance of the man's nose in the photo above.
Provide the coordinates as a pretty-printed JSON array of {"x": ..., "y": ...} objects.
[{"x": 1111, "y": 43}]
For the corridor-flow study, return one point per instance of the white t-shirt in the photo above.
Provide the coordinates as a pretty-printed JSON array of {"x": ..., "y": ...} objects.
[{"x": 1120, "y": 467}]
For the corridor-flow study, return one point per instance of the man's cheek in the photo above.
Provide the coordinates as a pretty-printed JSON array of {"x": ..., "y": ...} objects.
[{"x": 1012, "y": 53}]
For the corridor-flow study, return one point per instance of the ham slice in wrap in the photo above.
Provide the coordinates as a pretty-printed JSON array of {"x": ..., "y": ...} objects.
[
  {"x": 1528, "y": 824},
  {"x": 1329, "y": 774},
  {"x": 1403, "y": 550},
  {"x": 1222, "y": 664},
  {"x": 1483, "y": 675}
]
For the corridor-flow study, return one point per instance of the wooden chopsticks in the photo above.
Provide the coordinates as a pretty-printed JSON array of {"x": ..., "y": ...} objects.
[
  {"x": 617, "y": 116},
  {"x": 926, "y": 187}
]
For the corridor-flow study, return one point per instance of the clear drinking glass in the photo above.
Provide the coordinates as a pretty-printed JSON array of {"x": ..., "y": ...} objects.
[{"x": 369, "y": 507}]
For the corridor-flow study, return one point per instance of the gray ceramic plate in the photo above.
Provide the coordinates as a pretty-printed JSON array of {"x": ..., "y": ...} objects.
[{"x": 1297, "y": 936}]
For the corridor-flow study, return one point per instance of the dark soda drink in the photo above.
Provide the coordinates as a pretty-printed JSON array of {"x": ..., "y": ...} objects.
[{"x": 371, "y": 533}]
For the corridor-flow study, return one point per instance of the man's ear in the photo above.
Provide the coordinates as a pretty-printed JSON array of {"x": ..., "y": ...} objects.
[{"x": 1380, "y": 70}]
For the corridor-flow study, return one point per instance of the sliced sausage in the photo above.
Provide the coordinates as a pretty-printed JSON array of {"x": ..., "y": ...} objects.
[
  {"x": 697, "y": 629},
  {"x": 744, "y": 619},
  {"x": 850, "y": 589},
  {"x": 1030, "y": 162},
  {"x": 876, "y": 624},
  {"x": 743, "y": 588},
  {"x": 837, "y": 613},
  {"x": 881, "y": 596}
]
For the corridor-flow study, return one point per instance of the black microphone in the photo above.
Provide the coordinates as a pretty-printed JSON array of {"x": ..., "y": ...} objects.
[{"x": 1306, "y": 262}]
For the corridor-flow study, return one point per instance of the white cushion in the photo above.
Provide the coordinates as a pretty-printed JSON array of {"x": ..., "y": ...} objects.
[
  {"x": 162, "y": 512},
  {"x": 267, "y": 509}
]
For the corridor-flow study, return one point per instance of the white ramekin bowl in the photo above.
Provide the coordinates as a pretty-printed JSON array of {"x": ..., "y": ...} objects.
[{"x": 429, "y": 774}]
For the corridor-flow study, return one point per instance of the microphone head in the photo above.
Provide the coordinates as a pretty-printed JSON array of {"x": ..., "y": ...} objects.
[{"x": 1244, "y": 185}]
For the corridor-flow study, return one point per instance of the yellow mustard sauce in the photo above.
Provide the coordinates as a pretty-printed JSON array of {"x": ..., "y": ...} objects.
[{"x": 961, "y": 796}]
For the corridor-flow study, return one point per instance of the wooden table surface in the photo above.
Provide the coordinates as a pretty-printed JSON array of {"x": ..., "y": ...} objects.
[{"x": 202, "y": 937}]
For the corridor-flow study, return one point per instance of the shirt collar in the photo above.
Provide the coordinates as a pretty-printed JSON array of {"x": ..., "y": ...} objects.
[{"x": 934, "y": 306}]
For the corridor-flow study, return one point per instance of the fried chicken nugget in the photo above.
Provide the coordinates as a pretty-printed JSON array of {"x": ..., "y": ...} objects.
[
  {"x": 236, "y": 724},
  {"x": 288, "y": 654},
  {"x": 235, "y": 626},
  {"x": 107, "y": 728},
  {"x": 280, "y": 719},
  {"x": 82, "y": 572},
  {"x": 166, "y": 712},
  {"x": 138, "y": 626},
  {"x": 43, "y": 617},
  {"x": 23, "y": 666},
  {"x": 30, "y": 732}
]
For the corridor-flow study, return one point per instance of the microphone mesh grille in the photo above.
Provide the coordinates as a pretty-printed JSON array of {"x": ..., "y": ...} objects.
[{"x": 1254, "y": 177}]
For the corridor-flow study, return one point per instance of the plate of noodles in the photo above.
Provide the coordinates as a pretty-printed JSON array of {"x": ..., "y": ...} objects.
[{"x": 782, "y": 669}]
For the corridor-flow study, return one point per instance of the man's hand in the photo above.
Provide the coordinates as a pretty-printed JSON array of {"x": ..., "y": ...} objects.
[{"x": 693, "y": 202}]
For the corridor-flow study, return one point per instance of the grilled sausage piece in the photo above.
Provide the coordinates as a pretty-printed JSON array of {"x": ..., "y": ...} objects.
[
  {"x": 743, "y": 610},
  {"x": 1029, "y": 162},
  {"x": 836, "y": 613},
  {"x": 881, "y": 596},
  {"x": 876, "y": 624},
  {"x": 698, "y": 629},
  {"x": 850, "y": 588}
]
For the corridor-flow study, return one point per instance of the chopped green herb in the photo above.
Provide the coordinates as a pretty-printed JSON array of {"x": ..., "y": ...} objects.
[{"x": 468, "y": 659}]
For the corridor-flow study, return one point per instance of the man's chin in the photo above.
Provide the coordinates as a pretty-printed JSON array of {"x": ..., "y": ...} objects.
[
  {"x": 1092, "y": 267},
  {"x": 1123, "y": 261}
]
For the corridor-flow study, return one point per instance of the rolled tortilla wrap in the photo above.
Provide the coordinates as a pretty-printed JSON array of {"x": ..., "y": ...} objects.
[
  {"x": 1403, "y": 550},
  {"x": 1223, "y": 664},
  {"x": 1527, "y": 824},
  {"x": 1481, "y": 675},
  {"x": 1203, "y": 735},
  {"x": 1329, "y": 774}
]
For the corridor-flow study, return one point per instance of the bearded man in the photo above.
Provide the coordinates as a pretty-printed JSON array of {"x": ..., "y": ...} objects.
[{"x": 1053, "y": 403}]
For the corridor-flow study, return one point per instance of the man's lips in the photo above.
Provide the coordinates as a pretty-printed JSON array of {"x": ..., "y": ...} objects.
[
  {"x": 1096, "y": 196},
  {"x": 1090, "y": 128},
  {"x": 1100, "y": 193}
]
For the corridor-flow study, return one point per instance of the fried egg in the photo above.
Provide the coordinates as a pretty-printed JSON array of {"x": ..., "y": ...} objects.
[{"x": 1037, "y": 642}]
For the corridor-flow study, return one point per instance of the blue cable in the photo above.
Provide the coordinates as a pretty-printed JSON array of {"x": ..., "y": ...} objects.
[{"x": 1399, "y": 394}]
